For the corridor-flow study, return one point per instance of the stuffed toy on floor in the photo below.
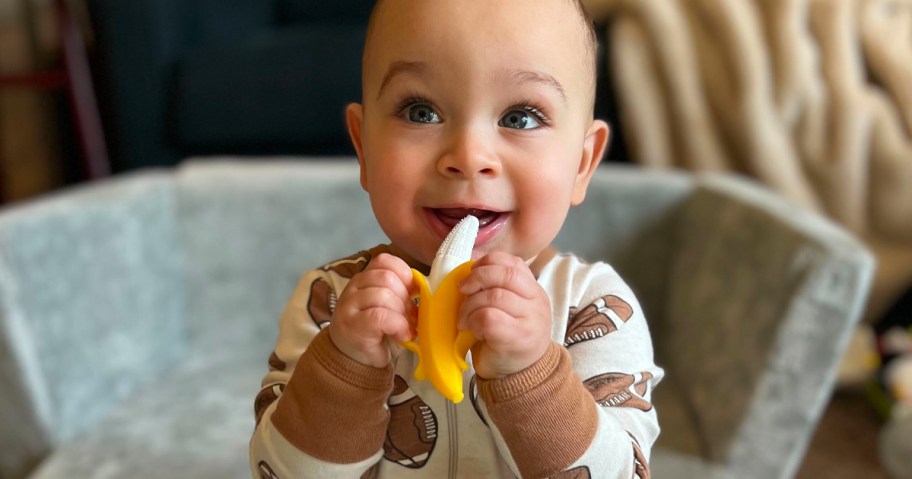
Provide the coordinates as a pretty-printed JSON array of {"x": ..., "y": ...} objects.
[{"x": 891, "y": 387}]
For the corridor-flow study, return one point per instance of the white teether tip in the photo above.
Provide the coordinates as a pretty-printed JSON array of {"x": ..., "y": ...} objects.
[{"x": 456, "y": 249}]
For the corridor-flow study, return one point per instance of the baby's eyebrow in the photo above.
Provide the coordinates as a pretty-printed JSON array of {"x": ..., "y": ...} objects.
[
  {"x": 520, "y": 76},
  {"x": 401, "y": 67},
  {"x": 524, "y": 76}
]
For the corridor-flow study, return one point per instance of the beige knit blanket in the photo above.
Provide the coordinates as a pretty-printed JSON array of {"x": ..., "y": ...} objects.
[{"x": 811, "y": 97}]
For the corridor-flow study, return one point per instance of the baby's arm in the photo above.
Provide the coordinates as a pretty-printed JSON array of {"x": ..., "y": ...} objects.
[
  {"x": 322, "y": 413},
  {"x": 586, "y": 406}
]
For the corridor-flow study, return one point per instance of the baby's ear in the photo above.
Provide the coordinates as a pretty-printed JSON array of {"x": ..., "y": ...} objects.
[
  {"x": 354, "y": 118},
  {"x": 594, "y": 146}
]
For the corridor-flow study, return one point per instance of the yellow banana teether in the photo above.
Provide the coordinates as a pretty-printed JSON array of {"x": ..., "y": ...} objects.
[{"x": 440, "y": 346}]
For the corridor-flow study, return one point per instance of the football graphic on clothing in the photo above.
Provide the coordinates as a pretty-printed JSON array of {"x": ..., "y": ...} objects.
[
  {"x": 349, "y": 267},
  {"x": 266, "y": 396},
  {"x": 473, "y": 395},
  {"x": 596, "y": 320},
  {"x": 276, "y": 364},
  {"x": 412, "y": 431},
  {"x": 641, "y": 467},
  {"x": 372, "y": 473},
  {"x": 321, "y": 303},
  {"x": 266, "y": 472},
  {"x": 620, "y": 390}
]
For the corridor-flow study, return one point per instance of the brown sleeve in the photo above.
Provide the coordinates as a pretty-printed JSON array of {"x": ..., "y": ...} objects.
[
  {"x": 333, "y": 406},
  {"x": 544, "y": 413}
]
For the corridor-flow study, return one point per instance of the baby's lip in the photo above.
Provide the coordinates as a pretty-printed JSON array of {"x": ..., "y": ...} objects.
[
  {"x": 452, "y": 216},
  {"x": 490, "y": 221}
]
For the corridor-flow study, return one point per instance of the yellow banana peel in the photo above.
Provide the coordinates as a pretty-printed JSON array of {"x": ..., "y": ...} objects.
[{"x": 441, "y": 347}]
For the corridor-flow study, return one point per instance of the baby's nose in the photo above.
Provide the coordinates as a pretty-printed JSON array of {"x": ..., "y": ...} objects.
[{"x": 468, "y": 156}]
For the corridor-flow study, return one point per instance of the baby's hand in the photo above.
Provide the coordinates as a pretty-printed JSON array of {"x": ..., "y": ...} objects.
[
  {"x": 509, "y": 313},
  {"x": 373, "y": 306}
]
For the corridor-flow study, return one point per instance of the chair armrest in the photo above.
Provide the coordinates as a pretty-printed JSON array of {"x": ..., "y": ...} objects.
[
  {"x": 629, "y": 219},
  {"x": 91, "y": 306},
  {"x": 763, "y": 297}
]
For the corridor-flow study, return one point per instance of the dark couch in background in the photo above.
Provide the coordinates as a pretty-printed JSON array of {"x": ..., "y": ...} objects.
[
  {"x": 180, "y": 78},
  {"x": 261, "y": 77}
]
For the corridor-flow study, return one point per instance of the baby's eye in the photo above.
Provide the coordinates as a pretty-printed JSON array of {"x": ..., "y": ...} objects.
[
  {"x": 420, "y": 113},
  {"x": 520, "y": 120}
]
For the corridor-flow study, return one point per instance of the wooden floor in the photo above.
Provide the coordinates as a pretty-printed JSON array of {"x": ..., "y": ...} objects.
[{"x": 845, "y": 444}]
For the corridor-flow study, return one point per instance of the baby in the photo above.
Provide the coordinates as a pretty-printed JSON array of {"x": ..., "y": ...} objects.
[{"x": 482, "y": 108}]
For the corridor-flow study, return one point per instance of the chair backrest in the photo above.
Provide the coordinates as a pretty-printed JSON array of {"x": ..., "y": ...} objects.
[
  {"x": 91, "y": 305},
  {"x": 251, "y": 229},
  {"x": 629, "y": 220}
]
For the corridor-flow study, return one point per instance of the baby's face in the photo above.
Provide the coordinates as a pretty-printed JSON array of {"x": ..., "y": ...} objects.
[{"x": 476, "y": 107}]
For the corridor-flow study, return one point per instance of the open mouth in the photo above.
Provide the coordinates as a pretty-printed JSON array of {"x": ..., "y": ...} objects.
[
  {"x": 443, "y": 220},
  {"x": 452, "y": 216}
]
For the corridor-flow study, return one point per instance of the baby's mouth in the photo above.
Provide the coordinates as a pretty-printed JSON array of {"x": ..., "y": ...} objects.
[
  {"x": 452, "y": 216},
  {"x": 490, "y": 222}
]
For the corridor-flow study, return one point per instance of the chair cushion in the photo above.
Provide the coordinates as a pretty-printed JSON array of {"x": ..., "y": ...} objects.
[
  {"x": 270, "y": 92},
  {"x": 196, "y": 421},
  {"x": 237, "y": 289},
  {"x": 193, "y": 421},
  {"x": 91, "y": 303}
]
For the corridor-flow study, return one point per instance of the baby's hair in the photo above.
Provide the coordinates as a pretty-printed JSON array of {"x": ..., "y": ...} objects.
[
  {"x": 592, "y": 45},
  {"x": 591, "y": 40}
]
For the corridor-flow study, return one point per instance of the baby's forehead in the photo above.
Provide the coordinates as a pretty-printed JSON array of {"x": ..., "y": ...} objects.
[
  {"x": 476, "y": 17},
  {"x": 383, "y": 9}
]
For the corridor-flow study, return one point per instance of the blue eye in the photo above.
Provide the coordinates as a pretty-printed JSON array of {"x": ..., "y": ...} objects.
[
  {"x": 519, "y": 120},
  {"x": 419, "y": 113}
]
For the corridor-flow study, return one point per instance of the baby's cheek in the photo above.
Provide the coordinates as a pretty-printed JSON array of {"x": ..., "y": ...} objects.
[{"x": 536, "y": 230}]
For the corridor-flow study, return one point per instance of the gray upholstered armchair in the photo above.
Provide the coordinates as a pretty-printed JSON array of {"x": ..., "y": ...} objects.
[{"x": 137, "y": 313}]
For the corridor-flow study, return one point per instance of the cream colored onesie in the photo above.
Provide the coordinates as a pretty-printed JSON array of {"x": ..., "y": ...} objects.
[{"x": 582, "y": 411}]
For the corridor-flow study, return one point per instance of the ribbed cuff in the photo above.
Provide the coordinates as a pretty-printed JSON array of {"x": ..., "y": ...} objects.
[
  {"x": 544, "y": 413},
  {"x": 333, "y": 406}
]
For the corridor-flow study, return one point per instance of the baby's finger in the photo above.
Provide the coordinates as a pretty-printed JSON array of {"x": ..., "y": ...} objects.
[
  {"x": 401, "y": 269},
  {"x": 380, "y": 278},
  {"x": 377, "y": 297},
  {"x": 498, "y": 257},
  {"x": 390, "y": 323},
  {"x": 490, "y": 324},
  {"x": 515, "y": 277},
  {"x": 501, "y": 299}
]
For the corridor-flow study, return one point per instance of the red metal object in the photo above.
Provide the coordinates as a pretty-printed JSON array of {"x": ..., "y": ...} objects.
[
  {"x": 84, "y": 106},
  {"x": 75, "y": 77}
]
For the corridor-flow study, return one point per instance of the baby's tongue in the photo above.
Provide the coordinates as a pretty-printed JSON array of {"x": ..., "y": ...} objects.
[{"x": 452, "y": 216}]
